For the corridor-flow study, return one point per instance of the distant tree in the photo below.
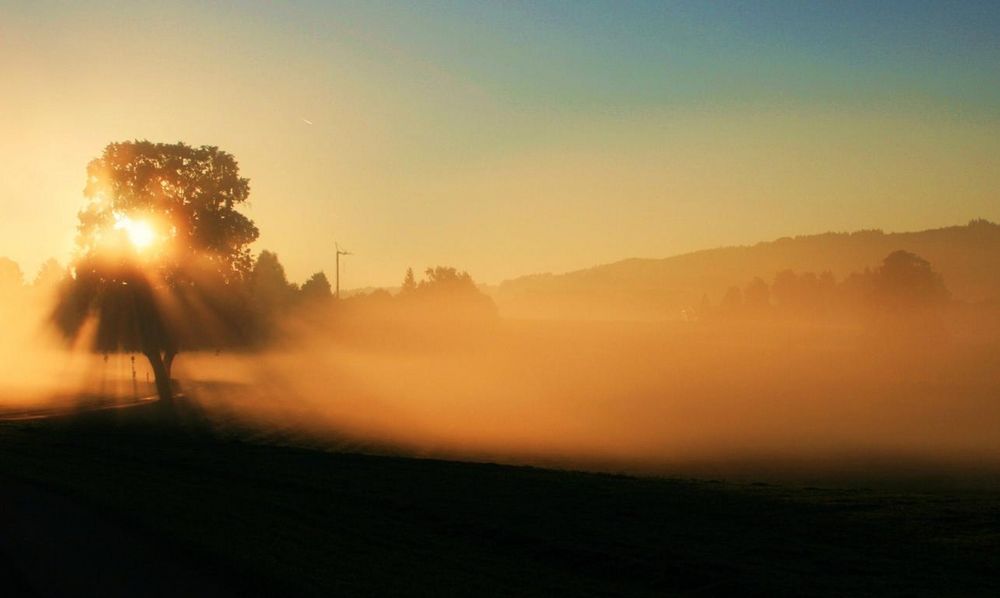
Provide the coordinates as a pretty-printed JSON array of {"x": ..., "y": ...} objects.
[
  {"x": 49, "y": 276},
  {"x": 409, "y": 282},
  {"x": 270, "y": 294},
  {"x": 317, "y": 288},
  {"x": 11, "y": 277},
  {"x": 906, "y": 280},
  {"x": 163, "y": 253},
  {"x": 757, "y": 296},
  {"x": 269, "y": 286},
  {"x": 447, "y": 289},
  {"x": 444, "y": 276},
  {"x": 903, "y": 296},
  {"x": 786, "y": 291},
  {"x": 982, "y": 223},
  {"x": 854, "y": 290}
]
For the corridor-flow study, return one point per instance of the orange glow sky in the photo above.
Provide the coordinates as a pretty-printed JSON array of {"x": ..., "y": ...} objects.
[{"x": 510, "y": 139}]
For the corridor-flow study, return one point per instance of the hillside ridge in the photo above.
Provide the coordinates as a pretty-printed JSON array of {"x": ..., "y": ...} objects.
[{"x": 662, "y": 287}]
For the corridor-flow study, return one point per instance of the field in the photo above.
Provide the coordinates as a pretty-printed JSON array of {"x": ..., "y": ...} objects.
[{"x": 231, "y": 509}]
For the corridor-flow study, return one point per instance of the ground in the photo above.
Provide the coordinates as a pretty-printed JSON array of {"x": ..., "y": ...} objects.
[{"x": 121, "y": 493}]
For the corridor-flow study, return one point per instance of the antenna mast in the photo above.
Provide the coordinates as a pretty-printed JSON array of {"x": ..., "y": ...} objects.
[{"x": 340, "y": 252}]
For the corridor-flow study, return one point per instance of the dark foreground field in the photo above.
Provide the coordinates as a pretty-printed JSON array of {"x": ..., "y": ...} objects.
[{"x": 119, "y": 502}]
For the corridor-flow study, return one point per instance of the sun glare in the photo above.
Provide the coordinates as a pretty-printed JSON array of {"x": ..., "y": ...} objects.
[{"x": 140, "y": 234}]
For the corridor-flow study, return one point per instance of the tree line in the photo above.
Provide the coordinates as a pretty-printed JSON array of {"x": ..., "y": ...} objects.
[{"x": 904, "y": 284}]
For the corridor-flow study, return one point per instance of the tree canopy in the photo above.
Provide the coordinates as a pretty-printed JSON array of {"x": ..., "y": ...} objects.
[
  {"x": 317, "y": 288},
  {"x": 187, "y": 197},
  {"x": 906, "y": 280}
]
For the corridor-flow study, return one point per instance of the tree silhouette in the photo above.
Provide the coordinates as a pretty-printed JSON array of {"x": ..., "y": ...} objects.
[
  {"x": 50, "y": 274},
  {"x": 11, "y": 276},
  {"x": 444, "y": 293},
  {"x": 317, "y": 288},
  {"x": 269, "y": 285},
  {"x": 757, "y": 296},
  {"x": 446, "y": 277},
  {"x": 907, "y": 281},
  {"x": 409, "y": 282},
  {"x": 162, "y": 254}
]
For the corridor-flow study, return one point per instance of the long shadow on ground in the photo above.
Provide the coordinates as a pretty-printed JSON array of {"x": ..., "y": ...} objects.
[{"x": 306, "y": 522}]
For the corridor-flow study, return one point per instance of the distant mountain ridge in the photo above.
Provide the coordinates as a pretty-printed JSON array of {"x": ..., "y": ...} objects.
[{"x": 968, "y": 257}]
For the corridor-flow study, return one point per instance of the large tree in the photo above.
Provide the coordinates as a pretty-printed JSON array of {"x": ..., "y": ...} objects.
[{"x": 162, "y": 254}]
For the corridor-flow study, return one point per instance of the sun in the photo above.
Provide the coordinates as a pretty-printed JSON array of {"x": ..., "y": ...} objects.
[{"x": 140, "y": 233}]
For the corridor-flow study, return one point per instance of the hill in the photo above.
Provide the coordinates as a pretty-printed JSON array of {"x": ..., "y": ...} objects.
[{"x": 639, "y": 289}]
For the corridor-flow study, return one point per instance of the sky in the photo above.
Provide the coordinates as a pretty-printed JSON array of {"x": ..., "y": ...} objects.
[{"x": 508, "y": 138}]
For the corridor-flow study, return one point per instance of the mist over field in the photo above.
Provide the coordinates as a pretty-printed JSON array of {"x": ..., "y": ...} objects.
[
  {"x": 640, "y": 398},
  {"x": 33, "y": 363},
  {"x": 805, "y": 388}
]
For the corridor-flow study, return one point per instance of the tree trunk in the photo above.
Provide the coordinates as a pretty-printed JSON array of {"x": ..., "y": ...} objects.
[
  {"x": 161, "y": 373},
  {"x": 168, "y": 362}
]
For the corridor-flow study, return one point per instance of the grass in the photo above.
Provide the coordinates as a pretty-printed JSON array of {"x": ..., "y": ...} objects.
[{"x": 310, "y": 522}]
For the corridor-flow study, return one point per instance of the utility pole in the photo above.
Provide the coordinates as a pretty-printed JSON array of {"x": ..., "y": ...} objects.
[{"x": 340, "y": 252}]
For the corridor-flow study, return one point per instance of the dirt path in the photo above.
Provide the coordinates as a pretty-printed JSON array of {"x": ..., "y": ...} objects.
[{"x": 52, "y": 547}]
